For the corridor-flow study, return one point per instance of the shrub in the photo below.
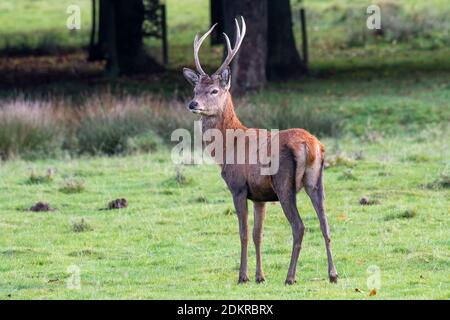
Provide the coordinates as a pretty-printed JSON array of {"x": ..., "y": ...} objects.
[
  {"x": 108, "y": 130},
  {"x": 229, "y": 212},
  {"x": 289, "y": 115},
  {"x": 112, "y": 126},
  {"x": 339, "y": 159},
  {"x": 177, "y": 180},
  {"x": 201, "y": 199},
  {"x": 38, "y": 179},
  {"x": 180, "y": 178},
  {"x": 407, "y": 214},
  {"x": 104, "y": 124},
  {"x": 443, "y": 182},
  {"x": 147, "y": 142},
  {"x": 80, "y": 226},
  {"x": 70, "y": 186},
  {"x": 347, "y": 175},
  {"x": 29, "y": 130}
]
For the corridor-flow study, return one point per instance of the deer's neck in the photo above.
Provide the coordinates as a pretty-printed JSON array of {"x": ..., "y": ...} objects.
[{"x": 227, "y": 120}]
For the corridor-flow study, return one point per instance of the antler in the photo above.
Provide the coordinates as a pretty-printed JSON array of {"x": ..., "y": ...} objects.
[
  {"x": 231, "y": 52},
  {"x": 197, "y": 44}
]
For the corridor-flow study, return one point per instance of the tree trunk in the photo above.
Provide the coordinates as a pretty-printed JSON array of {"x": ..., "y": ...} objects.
[
  {"x": 283, "y": 60},
  {"x": 129, "y": 19},
  {"x": 217, "y": 16},
  {"x": 248, "y": 72},
  {"x": 109, "y": 38},
  {"x": 120, "y": 38}
]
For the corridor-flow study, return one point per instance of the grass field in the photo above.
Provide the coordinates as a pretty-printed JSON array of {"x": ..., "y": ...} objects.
[
  {"x": 381, "y": 108},
  {"x": 180, "y": 240}
]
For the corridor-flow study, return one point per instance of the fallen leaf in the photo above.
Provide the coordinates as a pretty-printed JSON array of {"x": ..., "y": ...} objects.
[{"x": 373, "y": 292}]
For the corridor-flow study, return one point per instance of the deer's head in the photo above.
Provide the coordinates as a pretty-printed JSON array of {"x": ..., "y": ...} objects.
[{"x": 211, "y": 92}]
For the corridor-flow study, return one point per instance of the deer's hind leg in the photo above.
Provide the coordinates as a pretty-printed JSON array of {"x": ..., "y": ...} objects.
[
  {"x": 240, "y": 204},
  {"x": 315, "y": 190},
  {"x": 285, "y": 186}
]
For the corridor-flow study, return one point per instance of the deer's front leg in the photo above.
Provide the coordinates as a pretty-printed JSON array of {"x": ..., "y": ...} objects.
[
  {"x": 240, "y": 203},
  {"x": 259, "y": 214}
]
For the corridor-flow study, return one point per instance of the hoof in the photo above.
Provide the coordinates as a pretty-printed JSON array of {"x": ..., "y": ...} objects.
[
  {"x": 290, "y": 282},
  {"x": 260, "y": 279},
  {"x": 243, "y": 279},
  {"x": 333, "y": 278}
]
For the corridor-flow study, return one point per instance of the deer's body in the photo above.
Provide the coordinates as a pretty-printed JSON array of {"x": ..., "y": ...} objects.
[
  {"x": 295, "y": 145},
  {"x": 301, "y": 157}
]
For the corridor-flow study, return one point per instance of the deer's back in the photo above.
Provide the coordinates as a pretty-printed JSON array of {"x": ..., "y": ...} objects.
[{"x": 299, "y": 153}]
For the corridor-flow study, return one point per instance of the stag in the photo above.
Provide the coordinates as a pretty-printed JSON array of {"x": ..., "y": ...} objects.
[{"x": 300, "y": 156}]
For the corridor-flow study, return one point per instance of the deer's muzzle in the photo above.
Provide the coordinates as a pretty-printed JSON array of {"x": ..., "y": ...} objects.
[{"x": 193, "y": 105}]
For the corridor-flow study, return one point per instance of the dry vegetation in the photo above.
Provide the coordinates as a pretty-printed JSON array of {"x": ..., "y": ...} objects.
[
  {"x": 110, "y": 124},
  {"x": 105, "y": 124}
]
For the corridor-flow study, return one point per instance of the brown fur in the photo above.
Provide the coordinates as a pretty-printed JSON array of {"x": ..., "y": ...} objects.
[
  {"x": 301, "y": 165},
  {"x": 301, "y": 160}
]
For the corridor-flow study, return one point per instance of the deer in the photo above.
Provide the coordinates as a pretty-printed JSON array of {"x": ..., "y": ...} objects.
[{"x": 301, "y": 163}]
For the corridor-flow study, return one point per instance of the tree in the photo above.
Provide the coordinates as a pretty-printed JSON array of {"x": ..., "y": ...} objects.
[
  {"x": 249, "y": 71},
  {"x": 269, "y": 50},
  {"x": 283, "y": 60},
  {"x": 120, "y": 37}
]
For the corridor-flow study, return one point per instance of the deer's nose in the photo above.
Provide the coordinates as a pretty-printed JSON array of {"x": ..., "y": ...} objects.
[{"x": 193, "y": 105}]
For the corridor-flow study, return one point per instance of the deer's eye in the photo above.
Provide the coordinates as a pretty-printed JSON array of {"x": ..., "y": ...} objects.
[{"x": 214, "y": 91}]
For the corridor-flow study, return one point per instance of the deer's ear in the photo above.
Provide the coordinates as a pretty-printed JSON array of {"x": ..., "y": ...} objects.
[
  {"x": 225, "y": 78},
  {"x": 191, "y": 76}
]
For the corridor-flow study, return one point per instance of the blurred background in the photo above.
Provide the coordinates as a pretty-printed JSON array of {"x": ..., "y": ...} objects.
[{"x": 321, "y": 68}]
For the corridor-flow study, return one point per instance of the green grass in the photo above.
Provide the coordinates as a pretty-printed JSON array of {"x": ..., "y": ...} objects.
[
  {"x": 181, "y": 240},
  {"x": 30, "y": 25},
  {"x": 386, "y": 105}
]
